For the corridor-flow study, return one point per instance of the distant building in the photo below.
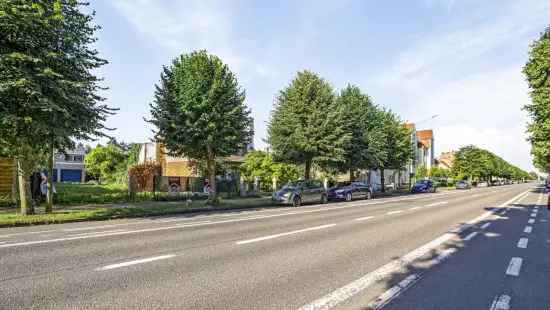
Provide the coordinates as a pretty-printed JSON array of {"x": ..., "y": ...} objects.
[
  {"x": 7, "y": 178},
  {"x": 177, "y": 166},
  {"x": 446, "y": 160},
  {"x": 425, "y": 148},
  {"x": 69, "y": 165}
]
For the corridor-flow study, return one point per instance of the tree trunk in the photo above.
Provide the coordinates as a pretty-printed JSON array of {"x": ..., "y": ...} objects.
[
  {"x": 211, "y": 167},
  {"x": 49, "y": 195},
  {"x": 351, "y": 175},
  {"x": 23, "y": 183},
  {"x": 307, "y": 172},
  {"x": 382, "y": 181}
]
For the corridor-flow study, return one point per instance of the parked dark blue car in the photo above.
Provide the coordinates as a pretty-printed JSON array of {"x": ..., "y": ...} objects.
[
  {"x": 349, "y": 191},
  {"x": 424, "y": 186}
]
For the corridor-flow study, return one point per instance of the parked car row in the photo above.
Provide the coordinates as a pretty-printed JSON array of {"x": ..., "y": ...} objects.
[{"x": 299, "y": 192}]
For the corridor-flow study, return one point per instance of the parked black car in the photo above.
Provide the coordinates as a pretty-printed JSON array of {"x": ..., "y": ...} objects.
[
  {"x": 349, "y": 191},
  {"x": 424, "y": 186},
  {"x": 296, "y": 193}
]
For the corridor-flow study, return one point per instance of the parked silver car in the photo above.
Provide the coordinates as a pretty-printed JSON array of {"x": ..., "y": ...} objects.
[{"x": 296, "y": 193}]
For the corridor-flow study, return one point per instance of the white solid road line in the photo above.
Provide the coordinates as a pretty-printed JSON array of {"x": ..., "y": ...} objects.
[
  {"x": 514, "y": 267},
  {"x": 470, "y": 236},
  {"x": 284, "y": 234},
  {"x": 97, "y": 232},
  {"x": 531, "y": 221},
  {"x": 393, "y": 292},
  {"x": 528, "y": 229},
  {"x": 135, "y": 262},
  {"x": 522, "y": 243},
  {"x": 485, "y": 225},
  {"x": 394, "y": 212},
  {"x": 364, "y": 218},
  {"x": 347, "y": 291},
  {"x": 501, "y": 302}
]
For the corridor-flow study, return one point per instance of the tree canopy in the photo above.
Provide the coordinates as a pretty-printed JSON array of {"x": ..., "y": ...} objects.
[
  {"x": 479, "y": 164},
  {"x": 305, "y": 126},
  {"x": 48, "y": 89},
  {"x": 199, "y": 110},
  {"x": 261, "y": 164},
  {"x": 360, "y": 120},
  {"x": 537, "y": 71}
]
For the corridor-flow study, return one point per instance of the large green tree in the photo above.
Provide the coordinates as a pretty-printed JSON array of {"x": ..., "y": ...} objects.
[
  {"x": 537, "y": 71},
  {"x": 48, "y": 90},
  {"x": 360, "y": 120},
  {"x": 305, "y": 126},
  {"x": 199, "y": 111}
]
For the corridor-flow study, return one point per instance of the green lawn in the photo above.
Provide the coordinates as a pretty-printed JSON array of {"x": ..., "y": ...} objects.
[{"x": 11, "y": 217}]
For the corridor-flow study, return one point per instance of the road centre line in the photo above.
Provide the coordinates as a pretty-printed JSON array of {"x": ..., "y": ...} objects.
[
  {"x": 522, "y": 243},
  {"x": 135, "y": 262},
  {"x": 470, "y": 236},
  {"x": 347, "y": 291},
  {"x": 364, "y": 218},
  {"x": 514, "y": 267},
  {"x": 394, "y": 212},
  {"x": 528, "y": 229},
  {"x": 501, "y": 302},
  {"x": 284, "y": 234}
]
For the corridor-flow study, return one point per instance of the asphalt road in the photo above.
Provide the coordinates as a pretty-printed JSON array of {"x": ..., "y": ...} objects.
[{"x": 352, "y": 255}]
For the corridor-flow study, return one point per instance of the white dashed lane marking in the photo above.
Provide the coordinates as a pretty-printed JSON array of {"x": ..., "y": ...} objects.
[
  {"x": 531, "y": 221},
  {"x": 364, "y": 218},
  {"x": 437, "y": 204},
  {"x": 284, "y": 234},
  {"x": 394, "y": 212},
  {"x": 514, "y": 267},
  {"x": 522, "y": 243},
  {"x": 528, "y": 229},
  {"x": 485, "y": 225},
  {"x": 501, "y": 302},
  {"x": 135, "y": 262}
]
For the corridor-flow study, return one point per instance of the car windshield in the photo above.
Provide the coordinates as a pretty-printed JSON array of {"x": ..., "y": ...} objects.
[
  {"x": 343, "y": 184},
  {"x": 292, "y": 185},
  {"x": 421, "y": 182}
]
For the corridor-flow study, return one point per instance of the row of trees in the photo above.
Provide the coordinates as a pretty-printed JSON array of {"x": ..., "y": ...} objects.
[
  {"x": 478, "y": 164},
  {"x": 537, "y": 71},
  {"x": 314, "y": 126},
  {"x": 48, "y": 92}
]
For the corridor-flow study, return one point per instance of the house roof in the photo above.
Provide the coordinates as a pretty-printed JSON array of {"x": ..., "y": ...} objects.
[{"x": 426, "y": 134}]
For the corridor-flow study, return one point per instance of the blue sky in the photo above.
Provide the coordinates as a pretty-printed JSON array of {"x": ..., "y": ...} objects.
[{"x": 460, "y": 60}]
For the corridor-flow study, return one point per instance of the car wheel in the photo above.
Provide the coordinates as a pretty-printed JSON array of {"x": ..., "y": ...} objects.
[
  {"x": 297, "y": 202},
  {"x": 324, "y": 199},
  {"x": 349, "y": 197}
]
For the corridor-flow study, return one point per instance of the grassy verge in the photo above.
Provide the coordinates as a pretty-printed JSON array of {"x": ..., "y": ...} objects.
[{"x": 10, "y": 217}]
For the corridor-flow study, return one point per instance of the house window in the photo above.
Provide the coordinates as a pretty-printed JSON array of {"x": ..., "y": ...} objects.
[{"x": 78, "y": 158}]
